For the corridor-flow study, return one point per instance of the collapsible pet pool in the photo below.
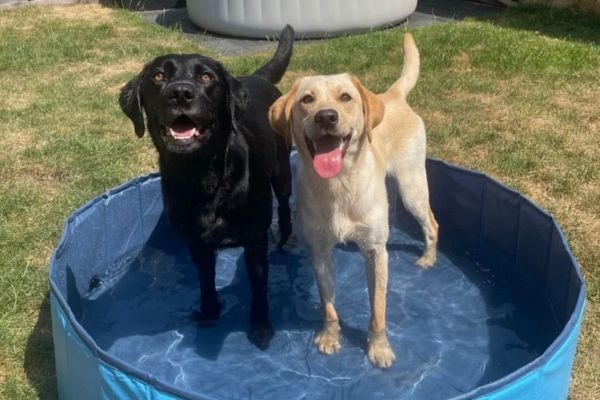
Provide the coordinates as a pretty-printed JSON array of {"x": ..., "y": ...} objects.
[{"x": 498, "y": 317}]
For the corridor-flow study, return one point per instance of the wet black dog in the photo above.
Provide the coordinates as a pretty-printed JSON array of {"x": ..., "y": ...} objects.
[{"x": 219, "y": 160}]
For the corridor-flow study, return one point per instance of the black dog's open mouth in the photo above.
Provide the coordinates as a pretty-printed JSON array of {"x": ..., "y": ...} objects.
[
  {"x": 183, "y": 128},
  {"x": 328, "y": 153}
]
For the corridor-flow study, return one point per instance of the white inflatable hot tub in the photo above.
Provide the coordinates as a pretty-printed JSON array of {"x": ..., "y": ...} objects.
[{"x": 310, "y": 18}]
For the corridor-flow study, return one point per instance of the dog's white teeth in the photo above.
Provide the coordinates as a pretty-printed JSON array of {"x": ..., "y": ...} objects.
[{"x": 183, "y": 135}]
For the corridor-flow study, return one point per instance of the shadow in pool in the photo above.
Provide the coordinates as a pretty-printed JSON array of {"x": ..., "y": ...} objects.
[
  {"x": 155, "y": 298},
  {"x": 210, "y": 340},
  {"x": 518, "y": 322}
]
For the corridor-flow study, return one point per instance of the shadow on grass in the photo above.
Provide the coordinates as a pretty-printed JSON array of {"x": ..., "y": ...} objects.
[
  {"x": 560, "y": 24},
  {"x": 39, "y": 355}
]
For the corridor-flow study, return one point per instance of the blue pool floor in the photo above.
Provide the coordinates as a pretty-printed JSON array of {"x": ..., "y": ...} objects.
[{"x": 453, "y": 328}]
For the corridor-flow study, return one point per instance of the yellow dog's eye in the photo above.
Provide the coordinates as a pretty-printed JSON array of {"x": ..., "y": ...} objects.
[
  {"x": 158, "y": 77},
  {"x": 345, "y": 97},
  {"x": 308, "y": 99},
  {"x": 205, "y": 77}
]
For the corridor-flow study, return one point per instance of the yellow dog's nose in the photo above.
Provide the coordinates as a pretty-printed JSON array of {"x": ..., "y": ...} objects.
[{"x": 327, "y": 118}]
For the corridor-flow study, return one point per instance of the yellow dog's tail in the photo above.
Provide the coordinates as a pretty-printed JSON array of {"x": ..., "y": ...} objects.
[{"x": 410, "y": 68}]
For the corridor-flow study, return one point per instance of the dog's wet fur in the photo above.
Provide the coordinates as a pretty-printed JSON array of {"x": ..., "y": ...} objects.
[{"x": 219, "y": 162}]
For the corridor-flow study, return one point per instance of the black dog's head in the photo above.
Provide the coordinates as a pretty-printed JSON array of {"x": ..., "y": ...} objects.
[{"x": 189, "y": 100}]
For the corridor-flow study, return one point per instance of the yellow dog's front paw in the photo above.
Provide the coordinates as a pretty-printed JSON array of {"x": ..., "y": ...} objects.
[
  {"x": 379, "y": 351},
  {"x": 328, "y": 339},
  {"x": 426, "y": 261}
]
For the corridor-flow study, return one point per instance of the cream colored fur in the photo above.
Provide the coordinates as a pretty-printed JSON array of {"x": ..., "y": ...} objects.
[{"x": 386, "y": 136}]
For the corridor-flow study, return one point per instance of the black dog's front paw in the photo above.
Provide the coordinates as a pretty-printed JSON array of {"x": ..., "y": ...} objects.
[
  {"x": 208, "y": 314},
  {"x": 260, "y": 334}
]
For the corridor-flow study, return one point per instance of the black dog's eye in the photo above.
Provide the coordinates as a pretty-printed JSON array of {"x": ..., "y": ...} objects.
[
  {"x": 158, "y": 77},
  {"x": 308, "y": 99},
  {"x": 345, "y": 97},
  {"x": 205, "y": 77}
]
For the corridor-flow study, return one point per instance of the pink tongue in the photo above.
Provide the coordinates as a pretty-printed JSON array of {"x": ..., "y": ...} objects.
[
  {"x": 328, "y": 160},
  {"x": 328, "y": 165}
]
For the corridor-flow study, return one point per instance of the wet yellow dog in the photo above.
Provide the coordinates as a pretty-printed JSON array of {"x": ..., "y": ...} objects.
[{"x": 348, "y": 139}]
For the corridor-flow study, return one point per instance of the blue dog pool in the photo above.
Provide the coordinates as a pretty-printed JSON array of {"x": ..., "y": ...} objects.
[{"x": 498, "y": 317}]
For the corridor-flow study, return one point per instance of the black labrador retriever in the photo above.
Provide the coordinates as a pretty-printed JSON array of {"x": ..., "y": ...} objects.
[{"x": 219, "y": 160}]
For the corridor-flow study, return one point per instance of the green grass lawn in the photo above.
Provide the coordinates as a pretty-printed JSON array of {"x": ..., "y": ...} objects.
[{"x": 516, "y": 96}]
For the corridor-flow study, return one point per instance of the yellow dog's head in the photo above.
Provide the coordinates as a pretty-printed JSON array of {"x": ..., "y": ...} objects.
[{"x": 327, "y": 117}]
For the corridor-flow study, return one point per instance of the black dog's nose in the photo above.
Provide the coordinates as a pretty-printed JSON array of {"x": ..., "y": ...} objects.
[
  {"x": 326, "y": 118},
  {"x": 181, "y": 93}
]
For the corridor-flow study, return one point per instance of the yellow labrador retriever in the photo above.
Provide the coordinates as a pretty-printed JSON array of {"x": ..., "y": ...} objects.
[{"x": 348, "y": 138}]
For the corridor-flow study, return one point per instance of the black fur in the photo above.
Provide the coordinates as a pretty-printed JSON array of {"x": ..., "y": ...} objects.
[{"x": 218, "y": 173}]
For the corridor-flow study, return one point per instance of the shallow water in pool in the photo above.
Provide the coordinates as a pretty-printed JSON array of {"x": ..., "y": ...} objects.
[{"x": 453, "y": 328}]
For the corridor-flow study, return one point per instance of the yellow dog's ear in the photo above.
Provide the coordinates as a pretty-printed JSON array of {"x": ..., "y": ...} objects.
[
  {"x": 373, "y": 107},
  {"x": 280, "y": 114}
]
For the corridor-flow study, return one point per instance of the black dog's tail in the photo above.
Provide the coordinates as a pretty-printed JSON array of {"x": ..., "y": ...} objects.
[{"x": 275, "y": 68}]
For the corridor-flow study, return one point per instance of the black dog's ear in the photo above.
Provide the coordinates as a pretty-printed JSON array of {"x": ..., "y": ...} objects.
[
  {"x": 131, "y": 104},
  {"x": 237, "y": 98}
]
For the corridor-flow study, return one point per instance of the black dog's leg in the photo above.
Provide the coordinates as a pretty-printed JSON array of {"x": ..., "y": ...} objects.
[
  {"x": 285, "y": 219},
  {"x": 282, "y": 186},
  {"x": 257, "y": 266},
  {"x": 205, "y": 259}
]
